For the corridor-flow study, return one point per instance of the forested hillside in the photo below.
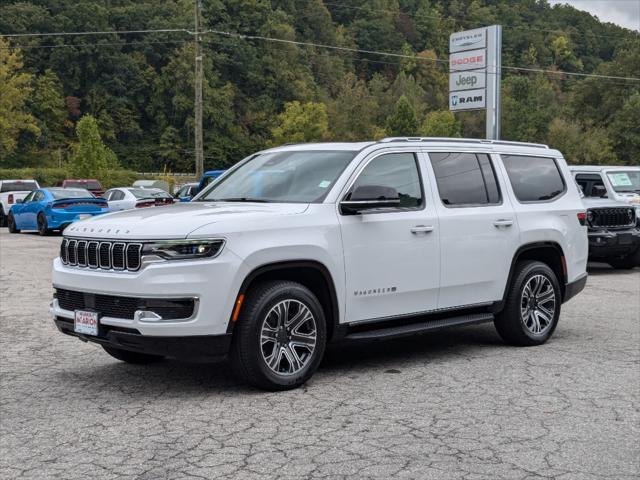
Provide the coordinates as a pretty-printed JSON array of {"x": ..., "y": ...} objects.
[{"x": 139, "y": 86}]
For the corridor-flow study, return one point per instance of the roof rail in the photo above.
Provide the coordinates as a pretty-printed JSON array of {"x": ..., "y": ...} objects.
[{"x": 463, "y": 140}]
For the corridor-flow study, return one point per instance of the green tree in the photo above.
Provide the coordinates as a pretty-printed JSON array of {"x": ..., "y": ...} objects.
[
  {"x": 47, "y": 105},
  {"x": 441, "y": 123},
  {"x": 625, "y": 131},
  {"x": 301, "y": 122},
  {"x": 403, "y": 121},
  {"x": 91, "y": 158},
  {"x": 581, "y": 146},
  {"x": 15, "y": 88}
]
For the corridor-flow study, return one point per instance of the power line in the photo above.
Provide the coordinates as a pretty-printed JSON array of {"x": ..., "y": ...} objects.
[
  {"x": 104, "y": 32},
  {"x": 411, "y": 57},
  {"x": 84, "y": 45}
]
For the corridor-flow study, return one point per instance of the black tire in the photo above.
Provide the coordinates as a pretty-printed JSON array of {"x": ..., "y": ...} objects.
[
  {"x": 43, "y": 228},
  {"x": 3, "y": 218},
  {"x": 131, "y": 357},
  {"x": 512, "y": 323},
  {"x": 11, "y": 224},
  {"x": 249, "y": 353}
]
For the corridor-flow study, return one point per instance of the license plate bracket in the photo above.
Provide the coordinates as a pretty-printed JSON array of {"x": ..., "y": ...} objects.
[{"x": 86, "y": 322}]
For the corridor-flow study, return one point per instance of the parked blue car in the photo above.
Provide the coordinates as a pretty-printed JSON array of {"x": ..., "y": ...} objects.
[
  {"x": 185, "y": 195},
  {"x": 48, "y": 209}
]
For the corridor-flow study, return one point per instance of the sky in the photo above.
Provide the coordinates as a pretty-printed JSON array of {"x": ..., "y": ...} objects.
[{"x": 625, "y": 13}]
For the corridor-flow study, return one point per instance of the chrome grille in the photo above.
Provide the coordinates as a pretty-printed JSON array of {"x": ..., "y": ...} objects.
[
  {"x": 104, "y": 255},
  {"x": 611, "y": 217}
]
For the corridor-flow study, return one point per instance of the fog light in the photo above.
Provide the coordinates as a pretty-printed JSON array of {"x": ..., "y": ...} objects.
[{"x": 146, "y": 316}]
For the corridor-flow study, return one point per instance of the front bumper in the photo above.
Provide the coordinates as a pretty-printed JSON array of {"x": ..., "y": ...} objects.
[
  {"x": 213, "y": 284},
  {"x": 205, "y": 348},
  {"x": 613, "y": 243}
]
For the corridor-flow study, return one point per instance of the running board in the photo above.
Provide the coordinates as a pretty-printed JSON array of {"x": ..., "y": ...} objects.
[{"x": 420, "y": 327}]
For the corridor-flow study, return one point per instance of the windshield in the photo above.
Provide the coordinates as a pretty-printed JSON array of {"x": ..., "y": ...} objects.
[
  {"x": 625, "y": 181},
  {"x": 18, "y": 187},
  {"x": 303, "y": 176},
  {"x": 62, "y": 193},
  {"x": 148, "y": 193}
]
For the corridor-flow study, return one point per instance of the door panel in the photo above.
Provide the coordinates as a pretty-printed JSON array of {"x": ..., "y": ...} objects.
[
  {"x": 391, "y": 256},
  {"x": 478, "y": 240}
]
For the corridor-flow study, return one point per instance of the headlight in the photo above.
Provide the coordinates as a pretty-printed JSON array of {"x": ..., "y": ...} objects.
[{"x": 183, "y": 249}]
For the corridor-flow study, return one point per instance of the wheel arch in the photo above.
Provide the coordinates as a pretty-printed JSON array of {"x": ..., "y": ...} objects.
[
  {"x": 550, "y": 253},
  {"x": 310, "y": 273}
]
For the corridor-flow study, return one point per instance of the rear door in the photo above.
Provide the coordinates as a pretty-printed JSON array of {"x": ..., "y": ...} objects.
[
  {"x": 391, "y": 255},
  {"x": 478, "y": 229}
]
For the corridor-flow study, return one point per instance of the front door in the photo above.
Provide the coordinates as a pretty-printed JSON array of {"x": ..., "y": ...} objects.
[
  {"x": 478, "y": 229},
  {"x": 391, "y": 255}
]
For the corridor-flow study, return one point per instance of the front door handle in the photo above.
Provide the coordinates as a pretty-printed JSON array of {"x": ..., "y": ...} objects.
[
  {"x": 502, "y": 223},
  {"x": 421, "y": 229}
]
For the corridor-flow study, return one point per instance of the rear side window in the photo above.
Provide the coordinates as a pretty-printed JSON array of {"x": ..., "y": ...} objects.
[
  {"x": 591, "y": 185},
  {"x": 465, "y": 179},
  {"x": 534, "y": 179}
]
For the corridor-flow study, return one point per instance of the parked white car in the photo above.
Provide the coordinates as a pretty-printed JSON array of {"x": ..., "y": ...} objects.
[
  {"x": 302, "y": 245},
  {"x": 131, "y": 197},
  {"x": 10, "y": 192},
  {"x": 620, "y": 184}
]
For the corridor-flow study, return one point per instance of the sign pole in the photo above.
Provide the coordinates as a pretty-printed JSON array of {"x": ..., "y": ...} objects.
[{"x": 494, "y": 75}]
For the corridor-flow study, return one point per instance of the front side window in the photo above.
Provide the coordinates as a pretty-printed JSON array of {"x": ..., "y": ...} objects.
[
  {"x": 534, "y": 179},
  {"x": 293, "y": 176},
  {"x": 625, "y": 181},
  {"x": 395, "y": 170},
  {"x": 465, "y": 179},
  {"x": 29, "y": 197}
]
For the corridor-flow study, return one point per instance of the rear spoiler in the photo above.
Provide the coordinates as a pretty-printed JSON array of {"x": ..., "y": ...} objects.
[{"x": 65, "y": 202}]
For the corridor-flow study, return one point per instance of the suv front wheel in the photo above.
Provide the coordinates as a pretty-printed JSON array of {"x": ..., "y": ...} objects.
[
  {"x": 280, "y": 336},
  {"x": 532, "y": 309}
]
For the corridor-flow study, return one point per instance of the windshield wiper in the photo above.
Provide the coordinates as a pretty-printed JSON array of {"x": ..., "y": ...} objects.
[{"x": 237, "y": 199}]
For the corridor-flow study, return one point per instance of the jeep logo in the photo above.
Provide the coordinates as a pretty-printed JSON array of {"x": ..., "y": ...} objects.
[{"x": 467, "y": 80}]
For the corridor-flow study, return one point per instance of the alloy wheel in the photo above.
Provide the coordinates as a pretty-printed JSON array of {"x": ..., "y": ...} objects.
[
  {"x": 538, "y": 304},
  {"x": 288, "y": 337}
]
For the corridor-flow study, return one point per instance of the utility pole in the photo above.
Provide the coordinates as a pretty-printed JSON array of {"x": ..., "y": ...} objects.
[{"x": 198, "y": 100}]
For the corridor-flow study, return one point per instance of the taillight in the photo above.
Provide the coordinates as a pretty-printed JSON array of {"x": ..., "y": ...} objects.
[
  {"x": 582, "y": 218},
  {"x": 10, "y": 199},
  {"x": 145, "y": 204},
  {"x": 60, "y": 205}
]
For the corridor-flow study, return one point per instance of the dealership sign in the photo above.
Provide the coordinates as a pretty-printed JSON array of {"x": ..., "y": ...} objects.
[
  {"x": 468, "y": 100},
  {"x": 474, "y": 73}
]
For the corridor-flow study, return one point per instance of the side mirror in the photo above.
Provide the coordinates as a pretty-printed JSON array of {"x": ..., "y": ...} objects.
[{"x": 370, "y": 197}]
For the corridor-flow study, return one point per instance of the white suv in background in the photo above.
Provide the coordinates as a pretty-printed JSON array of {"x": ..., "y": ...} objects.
[{"x": 302, "y": 245}]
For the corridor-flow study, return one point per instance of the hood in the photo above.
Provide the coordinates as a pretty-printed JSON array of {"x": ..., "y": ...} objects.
[
  {"x": 592, "y": 202},
  {"x": 178, "y": 220}
]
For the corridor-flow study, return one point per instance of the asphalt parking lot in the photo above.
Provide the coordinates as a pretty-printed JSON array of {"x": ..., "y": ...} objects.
[{"x": 451, "y": 405}]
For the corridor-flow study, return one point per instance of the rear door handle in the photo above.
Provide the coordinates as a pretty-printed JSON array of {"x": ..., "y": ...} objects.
[
  {"x": 502, "y": 223},
  {"x": 421, "y": 229}
]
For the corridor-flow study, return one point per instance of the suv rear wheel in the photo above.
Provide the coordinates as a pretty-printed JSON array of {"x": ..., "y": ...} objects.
[
  {"x": 533, "y": 304},
  {"x": 280, "y": 336}
]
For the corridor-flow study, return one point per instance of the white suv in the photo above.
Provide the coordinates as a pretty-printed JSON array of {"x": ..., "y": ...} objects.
[{"x": 302, "y": 245}]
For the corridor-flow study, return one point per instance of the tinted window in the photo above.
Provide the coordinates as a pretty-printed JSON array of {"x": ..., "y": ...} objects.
[
  {"x": 38, "y": 197},
  {"x": 395, "y": 170},
  {"x": 592, "y": 185},
  {"x": 29, "y": 197},
  {"x": 533, "y": 179},
  {"x": 117, "y": 195},
  {"x": 465, "y": 179},
  {"x": 18, "y": 187}
]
